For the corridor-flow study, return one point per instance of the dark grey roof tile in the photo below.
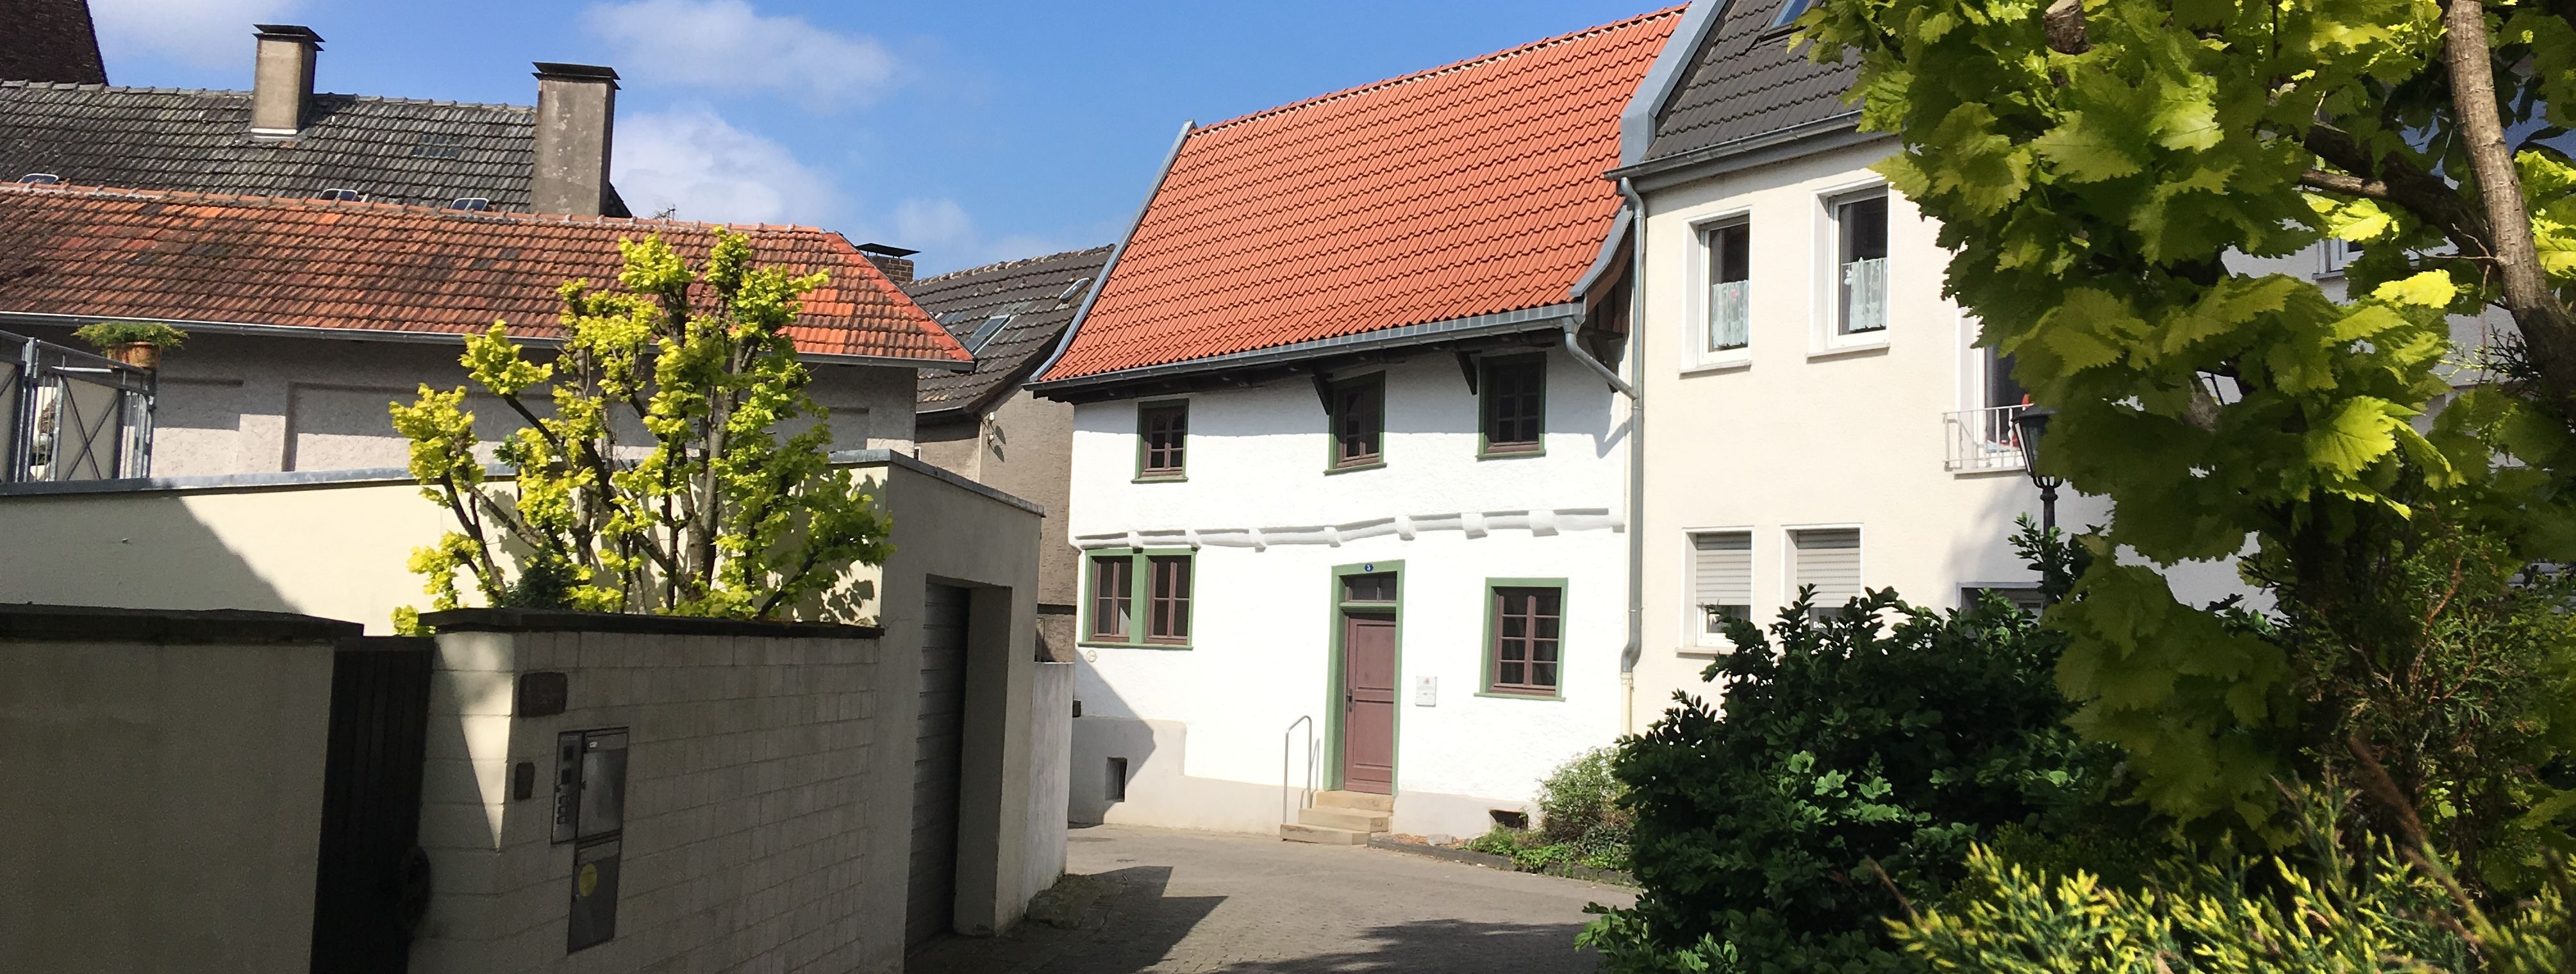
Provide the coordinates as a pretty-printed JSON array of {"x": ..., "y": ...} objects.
[
  {"x": 194, "y": 140},
  {"x": 1039, "y": 296},
  {"x": 1746, "y": 82}
]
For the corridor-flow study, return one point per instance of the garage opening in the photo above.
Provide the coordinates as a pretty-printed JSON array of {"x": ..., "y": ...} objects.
[{"x": 938, "y": 734}]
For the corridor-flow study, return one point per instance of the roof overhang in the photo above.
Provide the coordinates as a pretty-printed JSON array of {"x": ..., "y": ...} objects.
[
  {"x": 421, "y": 337},
  {"x": 1839, "y": 131},
  {"x": 1265, "y": 364}
]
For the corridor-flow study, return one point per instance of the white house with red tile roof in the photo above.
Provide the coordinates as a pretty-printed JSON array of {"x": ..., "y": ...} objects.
[
  {"x": 306, "y": 318},
  {"x": 1351, "y": 455}
]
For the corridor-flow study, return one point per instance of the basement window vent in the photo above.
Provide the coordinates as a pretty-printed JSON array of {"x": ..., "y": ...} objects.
[
  {"x": 1117, "y": 779},
  {"x": 40, "y": 179},
  {"x": 439, "y": 145},
  {"x": 343, "y": 195},
  {"x": 470, "y": 204}
]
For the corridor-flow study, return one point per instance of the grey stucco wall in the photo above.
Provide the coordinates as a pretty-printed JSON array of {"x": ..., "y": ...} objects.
[
  {"x": 261, "y": 404},
  {"x": 164, "y": 805},
  {"x": 1027, "y": 451}
]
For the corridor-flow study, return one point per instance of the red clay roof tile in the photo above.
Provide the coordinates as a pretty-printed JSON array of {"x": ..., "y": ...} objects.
[
  {"x": 1464, "y": 190},
  {"x": 170, "y": 256}
]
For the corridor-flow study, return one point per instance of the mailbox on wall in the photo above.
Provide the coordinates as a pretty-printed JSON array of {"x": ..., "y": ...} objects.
[{"x": 590, "y": 810}]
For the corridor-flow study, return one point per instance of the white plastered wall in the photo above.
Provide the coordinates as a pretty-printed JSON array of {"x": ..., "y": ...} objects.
[
  {"x": 1799, "y": 432},
  {"x": 1205, "y": 729}
]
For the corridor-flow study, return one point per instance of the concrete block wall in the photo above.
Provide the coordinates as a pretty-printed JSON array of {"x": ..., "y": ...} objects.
[{"x": 746, "y": 819}]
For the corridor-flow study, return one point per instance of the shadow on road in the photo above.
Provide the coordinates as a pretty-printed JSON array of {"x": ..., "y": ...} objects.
[{"x": 1443, "y": 945}]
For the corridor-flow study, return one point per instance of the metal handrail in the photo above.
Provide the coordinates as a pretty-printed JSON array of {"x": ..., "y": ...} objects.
[{"x": 1306, "y": 790}]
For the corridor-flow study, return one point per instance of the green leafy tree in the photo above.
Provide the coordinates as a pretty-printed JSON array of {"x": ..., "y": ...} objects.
[
  {"x": 681, "y": 467},
  {"x": 2102, "y": 170}
]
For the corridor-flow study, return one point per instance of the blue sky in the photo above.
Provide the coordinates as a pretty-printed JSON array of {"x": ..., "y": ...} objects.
[{"x": 972, "y": 131}]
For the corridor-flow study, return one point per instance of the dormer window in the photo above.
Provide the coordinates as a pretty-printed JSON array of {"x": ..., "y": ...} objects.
[
  {"x": 338, "y": 195},
  {"x": 40, "y": 179}
]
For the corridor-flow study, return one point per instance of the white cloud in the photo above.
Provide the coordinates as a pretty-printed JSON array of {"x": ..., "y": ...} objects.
[
  {"x": 691, "y": 162},
  {"x": 726, "y": 45},
  {"x": 949, "y": 239},
  {"x": 204, "y": 33}
]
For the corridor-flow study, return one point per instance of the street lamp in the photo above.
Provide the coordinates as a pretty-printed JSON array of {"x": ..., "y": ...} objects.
[{"x": 2030, "y": 423}]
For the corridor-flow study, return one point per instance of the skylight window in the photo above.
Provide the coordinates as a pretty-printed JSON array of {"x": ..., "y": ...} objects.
[
  {"x": 992, "y": 326},
  {"x": 40, "y": 179},
  {"x": 471, "y": 204},
  {"x": 1789, "y": 11},
  {"x": 339, "y": 195}
]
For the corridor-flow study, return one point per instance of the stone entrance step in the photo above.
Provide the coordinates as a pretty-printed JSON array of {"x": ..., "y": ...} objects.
[{"x": 1341, "y": 818}]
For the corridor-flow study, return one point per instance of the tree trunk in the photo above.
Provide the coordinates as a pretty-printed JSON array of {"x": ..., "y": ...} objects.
[{"x": 2548, "y": 334}]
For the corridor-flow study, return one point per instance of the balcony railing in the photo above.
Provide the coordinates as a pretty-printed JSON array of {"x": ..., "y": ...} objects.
[
  {"x": 1984, "y": 439},
  {"x": 66, "y": 414}
]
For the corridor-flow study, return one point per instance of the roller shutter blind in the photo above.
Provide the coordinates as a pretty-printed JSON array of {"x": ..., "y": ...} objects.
[
  {"x": 1721, "y": 575},
  {"x": 1830, "y": 561}
]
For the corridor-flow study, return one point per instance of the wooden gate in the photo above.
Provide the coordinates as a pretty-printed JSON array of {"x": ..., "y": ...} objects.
[{"x": 373, "y": 881}]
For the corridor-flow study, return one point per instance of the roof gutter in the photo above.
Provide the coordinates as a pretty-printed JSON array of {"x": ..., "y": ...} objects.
[
  {"x": 1522, "y": 321},
  {"x": 1845, "y": 122},
  {"x": 424, "y": 337},
  {"x": 1101, "y": 282}
]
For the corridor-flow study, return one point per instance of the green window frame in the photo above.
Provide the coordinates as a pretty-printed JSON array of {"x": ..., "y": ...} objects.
[
  {"x": 1355, "y": 425},
  {"x": 1162, "y": 440},
  {"x": 1139, "y": 598},
  {"x": 1524, "y": 639},
  {"x": 1512, "y": 406}
]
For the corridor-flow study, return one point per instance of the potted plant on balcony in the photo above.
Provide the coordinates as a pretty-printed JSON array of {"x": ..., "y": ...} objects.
[{"x": 134, "y": 343}]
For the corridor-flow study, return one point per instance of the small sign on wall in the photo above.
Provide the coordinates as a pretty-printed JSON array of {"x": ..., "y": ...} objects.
[{"x": 1426, "y": 691}]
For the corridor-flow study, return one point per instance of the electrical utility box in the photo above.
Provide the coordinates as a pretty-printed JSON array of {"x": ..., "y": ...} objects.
[{"x": 590, "y": 811}]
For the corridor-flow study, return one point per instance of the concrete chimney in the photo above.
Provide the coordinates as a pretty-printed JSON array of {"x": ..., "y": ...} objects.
[
  {"x": 576, "y": 123},
  {"x": 896, "y": 262},
  {"x": 281, "y": 79}
]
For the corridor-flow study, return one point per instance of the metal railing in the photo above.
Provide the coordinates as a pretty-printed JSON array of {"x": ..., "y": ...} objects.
[
  {"x": 66, "y": 414},
  {"x": 1983, "y": 439},
  {"x": 1305, "y": 790}
]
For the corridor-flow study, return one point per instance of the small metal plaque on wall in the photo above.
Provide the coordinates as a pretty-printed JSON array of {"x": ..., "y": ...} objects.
[
  {"x": 594, "y": 896},
  {"x": 543, "y": 693}
]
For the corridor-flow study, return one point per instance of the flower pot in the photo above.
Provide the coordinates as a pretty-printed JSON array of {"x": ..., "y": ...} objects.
[{"x": 141, "y": 355}]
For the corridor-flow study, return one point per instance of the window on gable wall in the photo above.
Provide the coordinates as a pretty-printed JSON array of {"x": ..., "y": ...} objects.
[
  {"x": 1162, "y": 432},
  {"x": 1359, "y": 422},
  {"x": 1860, "y": 269},
  {"x": 1514, "y": 391},
  {"x": 1527, "y": 623},
  {"x": 1730, "y": 282}
]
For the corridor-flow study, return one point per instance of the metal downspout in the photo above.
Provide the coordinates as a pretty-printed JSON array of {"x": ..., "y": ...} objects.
[{"x": 1636, "y": 459}]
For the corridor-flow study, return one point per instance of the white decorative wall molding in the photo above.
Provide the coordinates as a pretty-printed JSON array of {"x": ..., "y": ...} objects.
[{"x": 1545, "y": 522}]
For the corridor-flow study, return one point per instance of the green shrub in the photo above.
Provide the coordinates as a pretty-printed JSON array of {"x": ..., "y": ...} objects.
[
  {"x": 1853, "y": 765},
  {"x": 2337, "y": 901}
]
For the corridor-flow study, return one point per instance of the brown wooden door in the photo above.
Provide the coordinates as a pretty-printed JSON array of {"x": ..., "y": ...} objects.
[{"x": 1368, "y": 702}]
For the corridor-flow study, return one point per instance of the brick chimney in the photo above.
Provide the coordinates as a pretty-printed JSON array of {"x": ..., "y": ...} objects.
[
  {"x": 896, "y": 262},
  {"x": 281, "y": 80},
  {"x": 576, "y": 124}
]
